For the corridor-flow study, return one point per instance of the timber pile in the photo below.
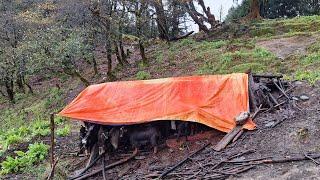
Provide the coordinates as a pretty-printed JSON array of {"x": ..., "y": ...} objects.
[{"x": 266, "y": 93}]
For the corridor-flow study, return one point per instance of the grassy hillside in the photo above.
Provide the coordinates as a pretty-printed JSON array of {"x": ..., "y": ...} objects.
[
  {"x": 189, "y": 56},
  {"x": 26, "y": 122}
]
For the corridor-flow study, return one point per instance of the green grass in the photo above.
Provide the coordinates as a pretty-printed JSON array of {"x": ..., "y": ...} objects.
[
  {"x": 309, "y": 65},
  {"x": 303, "y": 25},
  {"x": 256, "y": 59}
]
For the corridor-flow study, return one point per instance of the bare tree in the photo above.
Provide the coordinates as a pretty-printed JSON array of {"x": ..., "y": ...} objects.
[
  {"x": 161, "y": 20},
  {"x": 199, "y": 18}
]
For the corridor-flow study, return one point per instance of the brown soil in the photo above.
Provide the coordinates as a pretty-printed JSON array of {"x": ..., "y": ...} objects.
[{"x": 285, "y": 47}]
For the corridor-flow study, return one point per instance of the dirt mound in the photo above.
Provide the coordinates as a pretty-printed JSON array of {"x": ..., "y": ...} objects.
[{"x": 284, "y": 47}]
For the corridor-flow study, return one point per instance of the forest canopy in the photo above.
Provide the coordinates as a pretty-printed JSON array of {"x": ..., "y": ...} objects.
[{"x": 271, "y": 9}]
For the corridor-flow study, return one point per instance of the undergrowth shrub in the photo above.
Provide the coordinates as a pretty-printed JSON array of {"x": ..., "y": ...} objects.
[
  {"x": 36, "y": 152},
  {"x": 64, "y": 131},
  {"x": 54, "y": 98},
  {"x": 26, "y": 133},
  {"x": 40, "y": 128},
  {"x": 142, "y": 75}
]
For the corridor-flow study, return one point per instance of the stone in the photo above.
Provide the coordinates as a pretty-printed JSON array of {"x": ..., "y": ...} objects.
[
  {"x": 295, "y": 98},
  {"x": 269, "y": 124},
  {"x": 304, "y": 97},
  {"x": 242, "y": 118},
  {"x": 139, "y": 157}
]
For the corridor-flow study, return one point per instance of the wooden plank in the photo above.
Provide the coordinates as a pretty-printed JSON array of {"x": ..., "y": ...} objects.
[{"x": 227, "y": 138}]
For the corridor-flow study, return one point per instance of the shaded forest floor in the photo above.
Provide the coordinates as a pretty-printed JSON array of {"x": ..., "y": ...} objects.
[{"x": 290, "y": 47}]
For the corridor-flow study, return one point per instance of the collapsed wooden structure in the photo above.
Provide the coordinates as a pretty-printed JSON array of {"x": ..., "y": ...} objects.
[{"x": 266, "y": 93}]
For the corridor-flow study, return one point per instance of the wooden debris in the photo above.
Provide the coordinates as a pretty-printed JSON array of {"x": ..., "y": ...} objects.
[
  {"x": 181, "y": 37},
  {"x": 312, "y": 159},
  {"x": 238, "y": 135},
  {"x": 104, "y": 168},
  {"x": 267, "y": 160},
  {"x": 267, "y": 76},
  {"x": 252, "y": 99},
  {"x": 88, "y": 166},
  {"x": 51, "y": 174},
  {"x": 227, "y": 138},
  {"x": 85, "y": 176},
  {"x": 183, "y": 161}
]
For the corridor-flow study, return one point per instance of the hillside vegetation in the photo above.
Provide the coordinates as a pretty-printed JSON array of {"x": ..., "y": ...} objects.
[
  {"x": 189, "y": 56},
  {"x": 25, "y": 125}
]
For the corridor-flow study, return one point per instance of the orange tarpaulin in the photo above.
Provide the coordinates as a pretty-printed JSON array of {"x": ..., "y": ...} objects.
[{"x": 213, "y": 100}]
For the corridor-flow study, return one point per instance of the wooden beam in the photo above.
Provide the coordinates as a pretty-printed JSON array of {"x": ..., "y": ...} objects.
[{"x": 228, "y": 138}]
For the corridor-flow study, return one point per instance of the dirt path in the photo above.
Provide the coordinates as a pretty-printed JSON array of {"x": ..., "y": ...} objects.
[{"x": 284, "y": 47}]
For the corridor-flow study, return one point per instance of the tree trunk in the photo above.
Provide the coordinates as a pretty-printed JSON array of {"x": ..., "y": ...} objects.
[
  {"x": 9, "y": 89},
  {"x": 161, "y": 20},
  {"x": 210, "y": 17},
  {"x": 118, "y": 55},
  {"x": 19, "y": 82},
  {"x": 254, "y": 10},
  {"x": 109, "y": 62},
  {"x": 138, "y": 13},
  {"x": 175, "y": 19},
  {"x": 109, "y": 55},
  {"x": 95, "y": 65},
  {"x": 123, "y": 54},
  {"x": 142, "y": 52},
  {"x": 194, "y": 15},
  {"x": 28, "y": 85},
  {"x": 82, "y": 79},
  {"x": 2, "y": 93}
]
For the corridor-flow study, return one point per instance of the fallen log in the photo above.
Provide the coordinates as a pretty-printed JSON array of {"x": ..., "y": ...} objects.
[
  {"x": 107, "y": 167},
  {"x": 181, "y": 37},
  {"x": 183, "y": 161}
]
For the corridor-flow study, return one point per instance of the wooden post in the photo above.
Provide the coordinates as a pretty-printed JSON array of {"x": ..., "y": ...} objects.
[{"x": 52, "y": 143}]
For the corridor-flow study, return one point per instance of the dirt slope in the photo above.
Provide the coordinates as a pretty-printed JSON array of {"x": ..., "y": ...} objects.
[{"x": 284, "y": 47}]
